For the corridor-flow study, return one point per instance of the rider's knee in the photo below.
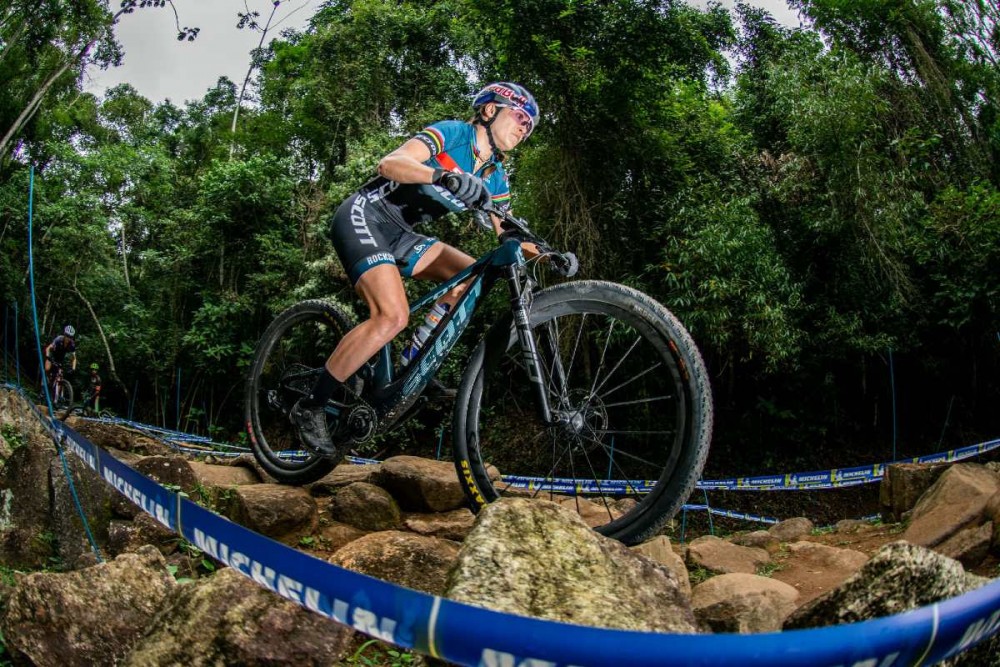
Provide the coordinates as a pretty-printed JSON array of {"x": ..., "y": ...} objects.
[{"x": 389, "y": 324}]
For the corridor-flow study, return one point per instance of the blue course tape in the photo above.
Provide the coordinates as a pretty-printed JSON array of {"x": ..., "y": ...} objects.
[
  {"x": 799, "y": 481},
  {"x": 470, "y": 635}
]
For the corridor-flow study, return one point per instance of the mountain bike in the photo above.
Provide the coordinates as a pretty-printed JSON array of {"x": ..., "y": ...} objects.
[
  {"x": 60, "y": 388},
  {"x": 588, "y": 392}
]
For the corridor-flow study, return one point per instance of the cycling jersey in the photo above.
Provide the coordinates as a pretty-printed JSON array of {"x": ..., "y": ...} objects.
[
  {"x": 375, "y": 225},
  {"x": 60, "y": 347}
]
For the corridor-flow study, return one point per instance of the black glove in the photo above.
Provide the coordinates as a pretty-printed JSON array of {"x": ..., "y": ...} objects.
[
  {"x": 469, "y": 188},
  {"x": 565, "y": 264}
]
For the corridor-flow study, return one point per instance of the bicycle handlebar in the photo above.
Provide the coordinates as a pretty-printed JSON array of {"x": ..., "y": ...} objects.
[{"x": 511, "y": 225}]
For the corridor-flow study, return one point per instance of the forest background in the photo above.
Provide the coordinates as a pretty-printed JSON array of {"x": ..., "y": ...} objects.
[{"x": 819, "y": 205}]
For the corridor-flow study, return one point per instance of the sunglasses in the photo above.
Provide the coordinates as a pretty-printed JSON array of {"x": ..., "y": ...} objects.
[{"x": 522, "y": 118}]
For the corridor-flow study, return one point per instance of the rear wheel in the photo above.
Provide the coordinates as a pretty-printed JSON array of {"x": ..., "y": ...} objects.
[
  {"x": 631, "y": 402},
  {"x": 288, "y": 360}
]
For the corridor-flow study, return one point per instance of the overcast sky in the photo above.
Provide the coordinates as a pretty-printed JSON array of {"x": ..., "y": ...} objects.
[{"x": 160, "y": 67}]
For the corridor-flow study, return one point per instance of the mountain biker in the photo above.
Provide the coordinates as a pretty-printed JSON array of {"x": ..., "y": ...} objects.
[
  {"x": 56, "y": 352},
  {"x": 373, "y": 231},
  {"x": 94, "y": 393}
]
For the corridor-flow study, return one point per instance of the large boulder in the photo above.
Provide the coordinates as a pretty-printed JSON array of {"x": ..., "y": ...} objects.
[
  {"x": 26, "y": 538},
  {"x": 659, "y": 550},
  {"x": 417, "y": 562},
  {"x": 955, "y": 501},
  {"x": 900, "y": 577},
  {"x": 422, "y": 485},
  {"x": 903, "y": 484},
  {"x": 88, "y": 617},
  {"x": 87, "y": 493},
  {"x": 536, "y": 558},
  {"x": 226, "y": 619},
  {"x": 718, "y": 555},
  {"x": 791, "y": 529},
  {"x": 281, "y": 512},
  {"x": 365, "y": 506},
  {"x": 743, "y": 603}
]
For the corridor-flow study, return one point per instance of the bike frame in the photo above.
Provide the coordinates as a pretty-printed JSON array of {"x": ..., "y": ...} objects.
[{"x": 504, "y": 262}]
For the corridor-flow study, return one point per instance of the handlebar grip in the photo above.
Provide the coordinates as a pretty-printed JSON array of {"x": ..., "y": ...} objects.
[{"x": 450, "y": 182}]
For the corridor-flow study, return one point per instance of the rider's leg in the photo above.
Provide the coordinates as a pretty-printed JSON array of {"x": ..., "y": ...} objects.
[
  {"x": 440, "y": 263},
  {"x": 382, "y": 288}
]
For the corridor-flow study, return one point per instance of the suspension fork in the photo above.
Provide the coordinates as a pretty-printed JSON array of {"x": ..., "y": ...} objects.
[{"x": 520, "y": 304}]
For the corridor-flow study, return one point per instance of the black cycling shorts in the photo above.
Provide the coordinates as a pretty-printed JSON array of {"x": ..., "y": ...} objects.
[{"x": 365, "y": 235}]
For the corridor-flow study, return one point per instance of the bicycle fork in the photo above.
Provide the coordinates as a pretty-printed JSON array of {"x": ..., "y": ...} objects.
[{"x": 520, "y": 305}]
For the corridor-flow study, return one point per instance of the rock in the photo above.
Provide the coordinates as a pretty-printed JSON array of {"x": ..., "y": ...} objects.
[
  {"x": 281, "y": 512},
  {"x": 593, "y": 513},
  {"x": 743, "y": 603},
  {"x": 900, "y": 577},
  {"x": 791, "y": 529},
  {"x": 344, "y": 475},
  {"x": 129, "y": 536},
  {"x": 718, "y": 555},
  {"x": 88, "y": 617},
  {"x": 956, "y": 500},
  {"x": 26, "y": 538},
  {"x": 851, "y": 526},
  {"x": 94, "y": 497},
  {"x": 758, "y": 539},
  {"x": 968, "y": 546},
  {"x": 226, "y": 619},
  {"x": 112, "y": 436},
  {"x": 417, "y": 562},
  {"x": 421, "y": 485},
  {"x": 903, "y": 484},
  {"x": 536, "y": 558},
  {"x": 335, "y": 535},
  {"x": 453, "y": 525},
  {"x": 365, "y": 506},
  {"x": 659, "y": 550}
]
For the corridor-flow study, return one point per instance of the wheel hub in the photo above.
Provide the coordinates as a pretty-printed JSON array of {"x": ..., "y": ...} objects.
[{"x": 584, "y": 419}]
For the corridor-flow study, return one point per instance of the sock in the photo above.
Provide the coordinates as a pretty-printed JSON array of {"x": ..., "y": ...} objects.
[{"x": 321, "y": 392}]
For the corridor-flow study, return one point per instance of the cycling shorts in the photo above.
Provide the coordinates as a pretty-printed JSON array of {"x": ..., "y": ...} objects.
[{"x": 366, "y": 234}]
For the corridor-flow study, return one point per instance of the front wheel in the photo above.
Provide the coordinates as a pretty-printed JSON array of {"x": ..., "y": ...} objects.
[
  {"x": 63, "y": 395},
  {"x": 631, "y": 404},
  {"x": 288, "y": 360}
]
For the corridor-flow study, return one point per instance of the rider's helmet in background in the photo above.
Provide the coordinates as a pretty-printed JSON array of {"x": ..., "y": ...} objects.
[
  {"x": 505, "y": 94},
  {"x": 94, "y": 367},
  {"x": 69, "y": 330}
]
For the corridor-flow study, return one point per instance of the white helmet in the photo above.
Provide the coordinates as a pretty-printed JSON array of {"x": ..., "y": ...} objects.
[{"x": 69, "y": 330}]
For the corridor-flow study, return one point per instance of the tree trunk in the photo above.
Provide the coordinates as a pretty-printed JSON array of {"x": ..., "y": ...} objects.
[{"x": 100, "y": 332}]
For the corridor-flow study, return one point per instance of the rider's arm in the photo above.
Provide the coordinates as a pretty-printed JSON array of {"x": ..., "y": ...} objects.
[
  {"x": 406, "y": 164},
  {"x": 74, "y": 360},
  {"x": 530, "y": 250}
]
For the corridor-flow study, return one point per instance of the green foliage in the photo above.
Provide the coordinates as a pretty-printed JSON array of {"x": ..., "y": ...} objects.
[
  {"x": 377, "y": 654},
  {"x": 804, "y": 199},
  {"x": 12, "y": 436}
]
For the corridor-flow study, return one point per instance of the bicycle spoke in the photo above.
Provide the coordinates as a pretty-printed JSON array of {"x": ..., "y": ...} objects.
[
  {"x": 631, "y": 380},
  {"x": 638, "y": 401}
]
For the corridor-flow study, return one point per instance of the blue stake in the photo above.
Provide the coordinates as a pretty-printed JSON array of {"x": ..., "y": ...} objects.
[{"x": 178, "y": 399}]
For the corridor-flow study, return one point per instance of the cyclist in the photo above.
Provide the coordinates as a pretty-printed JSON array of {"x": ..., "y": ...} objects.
[
  {"x": 373, "y": 231},
  {"x": 62, "y": 346},
  {"x": 94, "y": 392}
]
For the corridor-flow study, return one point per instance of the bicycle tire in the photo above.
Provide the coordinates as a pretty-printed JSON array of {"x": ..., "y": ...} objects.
[
  {"x": 65, "y": 393},
  {"x": 494, "y": 413},
  {"x": 295, "y": 345}
]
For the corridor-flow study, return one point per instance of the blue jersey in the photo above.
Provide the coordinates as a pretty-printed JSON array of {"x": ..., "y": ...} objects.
[{"x": 452, "y": 144}]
